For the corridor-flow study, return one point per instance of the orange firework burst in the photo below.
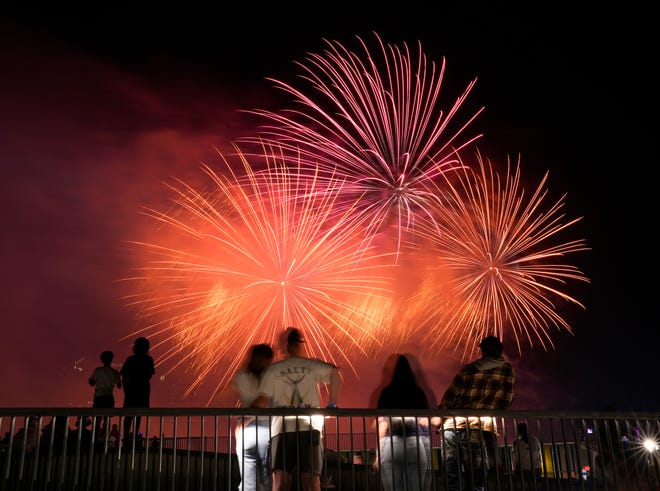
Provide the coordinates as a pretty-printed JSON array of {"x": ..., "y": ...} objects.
[
  {"x": 368, "y": 162},
  {"x": 377, "y": 121},
  {"x": 500, "y": 264},
  {"x": 253, "y": 254}
]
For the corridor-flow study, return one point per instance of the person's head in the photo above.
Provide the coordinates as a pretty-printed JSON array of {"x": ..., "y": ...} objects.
[
  {"x": 388, "y": 367},
  {"x": 358, "y": 458},
  {"x": 491, "y": 346},
  {"x": 293, "y": 340},
  {"x": 141, "y": 346},
  {"x": 403, "y": 373},
  {"x": 522, "y": 431},
  {"x": 106, "y": 358},
  {"x": 261, "y": 355}
]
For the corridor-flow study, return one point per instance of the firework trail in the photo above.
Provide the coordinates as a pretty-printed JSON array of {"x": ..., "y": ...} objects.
[
  {"x": 500, "y": 264},
  {"x": 375, "y": 120},
  {"x": 254, "y": 253},
  {"x": 361, "y": 224}
]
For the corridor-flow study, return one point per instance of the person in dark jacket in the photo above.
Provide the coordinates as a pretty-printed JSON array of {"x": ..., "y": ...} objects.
[{"x": 136, "y": 373}]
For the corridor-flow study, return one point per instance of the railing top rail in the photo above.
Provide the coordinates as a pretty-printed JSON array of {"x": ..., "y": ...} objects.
[{"x": 355, "y": 412}]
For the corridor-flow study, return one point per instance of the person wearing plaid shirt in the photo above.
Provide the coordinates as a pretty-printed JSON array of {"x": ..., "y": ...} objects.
[{"x": 486, "y": 383}]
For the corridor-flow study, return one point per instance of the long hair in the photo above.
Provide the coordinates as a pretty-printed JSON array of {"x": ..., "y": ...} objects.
[{"x": 403, "y": 375}]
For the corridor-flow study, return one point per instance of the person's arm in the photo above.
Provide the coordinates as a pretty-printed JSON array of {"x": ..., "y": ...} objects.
[
  {"x": 262, "y": 400},
  {"x": 424, "y": 404},
  {"x": 453, "y": 392},
  {"x": 91, "y": 381},
  {"x": 383, "y": 430},
  {"x": 383, "y": 426},
  {"x": 335, "y": 386},
  {"x": 505, "y": 395}
]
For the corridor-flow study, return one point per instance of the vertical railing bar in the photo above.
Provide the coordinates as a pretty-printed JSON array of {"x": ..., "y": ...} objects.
[
  {"x": 120, "y": 445},
  {"x": 568, "y": 454},
  {"x": 90, "y": 451},
  {"x": 174, "y": 453},
  {"x": 62, "y": 471},
  {"x": 51, "y": 451},
  {"x": 230, "y": 473},
  {"x": 161, "y": 443},
  {"x": 201, "y": 472},
  {"x": 188, "y": 454},
  {"x": 214, "y": 474},
  {"x": 146, "y": 445},
  {"x": 21, "y": 458},
  {"x": 37, "y": 451}
]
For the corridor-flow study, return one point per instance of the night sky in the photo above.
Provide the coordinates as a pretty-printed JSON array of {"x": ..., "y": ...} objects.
[{"x": 97, "y": 109}]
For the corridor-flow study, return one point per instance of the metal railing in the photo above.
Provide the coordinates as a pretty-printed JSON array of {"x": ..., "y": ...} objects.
[{"x": 194, "y": 449}]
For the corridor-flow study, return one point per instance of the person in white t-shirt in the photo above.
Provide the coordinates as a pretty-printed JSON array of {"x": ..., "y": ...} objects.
[
  {"x": 527, "y": 453},
  {"x": 294, "y": 382},
  {"x": 253, "y": 434},
  {"x": 104, "y": 379}
]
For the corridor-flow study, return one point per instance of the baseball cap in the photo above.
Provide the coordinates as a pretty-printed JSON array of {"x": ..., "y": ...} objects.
[
  {"x": 294, "y": 336},
  {"x": 491, "y": 344}
]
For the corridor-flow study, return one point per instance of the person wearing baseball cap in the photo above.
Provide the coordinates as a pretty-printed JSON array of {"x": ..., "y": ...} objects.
[
  {"x": 294, "y": 382},
  {"x": 485, "y": 383}
]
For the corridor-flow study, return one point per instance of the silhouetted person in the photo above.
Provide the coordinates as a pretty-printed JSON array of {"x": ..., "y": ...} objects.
[
  {"x": 405, "y": 448},
  {"x": 81, "y": 432},
  {"x": 104, "y": 379},
  {"x": 59, "y": 429},
  {"x": 136, "y": 374},
  {"x": 486, "y": 383},
  {"x": 27, "y": 435},
  {"x": 113, "y": 437},
  {"x": 253, "y": 434}
]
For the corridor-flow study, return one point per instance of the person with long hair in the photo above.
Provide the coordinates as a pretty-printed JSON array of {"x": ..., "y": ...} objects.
[
  {"x": 253, "y": 433},
  {"x": 404, "y": 457}
]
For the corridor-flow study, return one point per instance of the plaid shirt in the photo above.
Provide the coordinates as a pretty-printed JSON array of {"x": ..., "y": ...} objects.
[{"x": 478, "y": 388}]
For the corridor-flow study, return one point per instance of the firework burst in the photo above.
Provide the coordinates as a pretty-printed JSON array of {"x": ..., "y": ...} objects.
[
  {"x": 254, "y": 253},
  {"x": 500, "y": 264},
  {"x": 377, "y": 121},
  {"x": 361, "y": 224}
]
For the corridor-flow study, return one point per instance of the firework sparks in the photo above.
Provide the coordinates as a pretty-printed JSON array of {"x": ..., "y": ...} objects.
[
  {"x": 500, "y": 267},
  {"x": 368, "y": 162},
  {"x": 379, "y": 124},
  {"x": 253, "y": 254}
]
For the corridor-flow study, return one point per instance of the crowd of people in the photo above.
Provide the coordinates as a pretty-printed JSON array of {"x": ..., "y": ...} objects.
[
  {"x": 269, "y": 451},
  {"x": 271, "y": 448}
]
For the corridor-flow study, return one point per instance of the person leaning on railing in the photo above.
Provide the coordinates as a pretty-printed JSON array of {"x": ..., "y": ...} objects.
[
  {"x": 404, "y": 461},
  {"x": 296, "y": 441},
  {"x": 486, "y": 383},
  {"x": 252, "y": 433}
]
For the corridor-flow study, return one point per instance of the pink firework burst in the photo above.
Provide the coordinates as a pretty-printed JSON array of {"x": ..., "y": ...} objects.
[{"x": 377, "y": 120}]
